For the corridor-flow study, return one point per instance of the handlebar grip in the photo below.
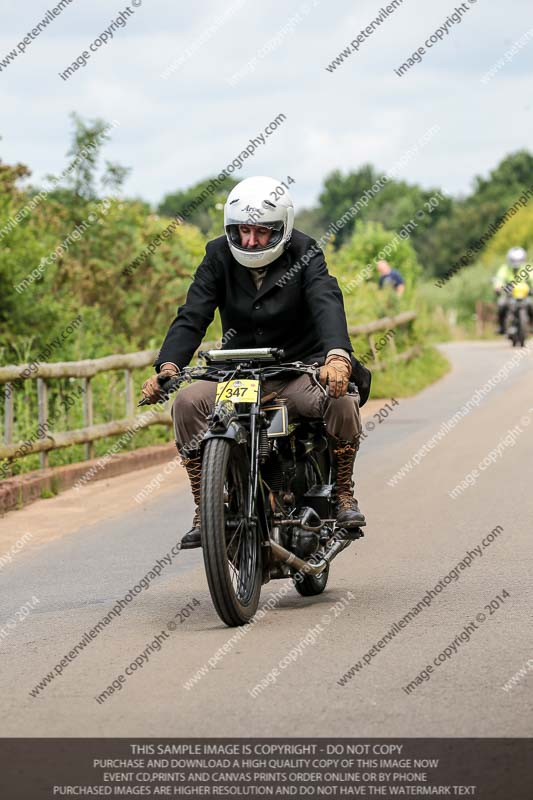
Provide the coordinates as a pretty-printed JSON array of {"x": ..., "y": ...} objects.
[{"x": 166, "y": 386}]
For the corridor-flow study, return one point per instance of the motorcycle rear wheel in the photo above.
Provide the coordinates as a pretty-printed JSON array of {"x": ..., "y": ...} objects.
[{"x": 231, "y": 546}]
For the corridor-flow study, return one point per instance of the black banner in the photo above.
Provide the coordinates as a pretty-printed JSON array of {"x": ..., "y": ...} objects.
[{"x": 487, "y": 769}]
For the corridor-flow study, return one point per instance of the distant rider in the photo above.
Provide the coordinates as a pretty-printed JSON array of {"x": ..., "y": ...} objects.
[{"x": 509, "y": 275}]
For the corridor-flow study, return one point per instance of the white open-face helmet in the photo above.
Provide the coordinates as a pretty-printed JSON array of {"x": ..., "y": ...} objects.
[
  {"x": 516, "y": 257},
  {"x": 264, "y": 202}
]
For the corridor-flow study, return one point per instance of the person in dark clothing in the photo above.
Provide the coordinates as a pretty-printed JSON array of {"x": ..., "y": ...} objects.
[
  {"x": 272, "y": 288},
  {"x": 390, "y": 277}
]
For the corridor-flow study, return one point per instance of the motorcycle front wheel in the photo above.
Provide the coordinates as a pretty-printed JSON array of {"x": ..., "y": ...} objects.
[
  {"x": 523, "y": 320},
  {"x": 231, "y": 544}
]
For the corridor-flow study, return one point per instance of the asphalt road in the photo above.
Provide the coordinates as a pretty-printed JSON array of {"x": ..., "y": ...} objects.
[{"x": 88, "y": 550}]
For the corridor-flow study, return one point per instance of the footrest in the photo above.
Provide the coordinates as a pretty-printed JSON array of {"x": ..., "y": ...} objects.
[
  {"x": 349, "y": 533},
  {"x": 351, "y": 525}
]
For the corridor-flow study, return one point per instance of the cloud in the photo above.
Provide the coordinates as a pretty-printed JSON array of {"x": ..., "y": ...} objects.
[{"x": 174, "y": 132}]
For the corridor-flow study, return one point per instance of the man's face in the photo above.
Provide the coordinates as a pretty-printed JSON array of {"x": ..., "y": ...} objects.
[{"x": 254, "y": 237}]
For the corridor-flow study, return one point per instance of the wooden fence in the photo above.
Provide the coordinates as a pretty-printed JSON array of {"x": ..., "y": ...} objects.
[
  {"x": 371, "y": 329},
  {"x": 87, "y": 369}
]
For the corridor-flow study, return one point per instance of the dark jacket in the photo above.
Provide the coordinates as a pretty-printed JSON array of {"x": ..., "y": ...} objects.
[{"x": 299, "y": 308}]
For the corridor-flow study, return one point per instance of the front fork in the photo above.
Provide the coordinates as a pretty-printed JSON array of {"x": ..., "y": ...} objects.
[
  {"x": 230, "y": 428},
  {"x": 254, "y": 459}
]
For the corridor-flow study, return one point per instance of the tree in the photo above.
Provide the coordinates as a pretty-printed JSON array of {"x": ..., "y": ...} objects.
[
  {"x": 393, "y": 205},
  {"x": 517, "y": 231},
  {"x": 506, "y": 182},
  {"x": 311, "y": 222},
  {"x": 453, "y": 235},
  {"x": 205, "y": 214},
  {"x": 443, "y": 233},
  {"x": 71, "y": 251},
  {"x": 80, "y": 175},
  {"x": 341, "y": 192}
]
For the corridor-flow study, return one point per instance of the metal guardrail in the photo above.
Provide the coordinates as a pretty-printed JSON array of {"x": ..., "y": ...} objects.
[{"x": 88, "y": 368}]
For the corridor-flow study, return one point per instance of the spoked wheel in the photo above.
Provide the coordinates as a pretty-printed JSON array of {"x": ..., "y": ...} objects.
[
  {"x": 309, "y": 585},
  {"x": 231, "y": 545}
]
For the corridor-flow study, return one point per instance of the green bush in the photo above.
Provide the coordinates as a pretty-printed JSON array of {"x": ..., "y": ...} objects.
[
  {"x": 356, "y": 260},
  {"x": 458, "y": 297},
  {"x": 517, "y": 232}
]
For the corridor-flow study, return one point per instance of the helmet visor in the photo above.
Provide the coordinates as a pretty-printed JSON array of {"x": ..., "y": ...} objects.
[{"x": 277, "y": 229}]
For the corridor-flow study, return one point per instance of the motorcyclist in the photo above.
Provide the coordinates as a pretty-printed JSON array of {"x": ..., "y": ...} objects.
[
  {"x": 272, "y": 288},
  {"x": 514, "y": 272}
]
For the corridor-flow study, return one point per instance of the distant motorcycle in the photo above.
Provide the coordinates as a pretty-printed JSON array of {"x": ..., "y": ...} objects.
[
  {"x": 266, "y": 500},
  {"x": 517, "y": 321}
]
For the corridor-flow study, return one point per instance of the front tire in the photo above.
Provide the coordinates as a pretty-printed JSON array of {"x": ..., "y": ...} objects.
[
  {"x": 523, "y": 319},
  {"x": 231, "y": 546}
]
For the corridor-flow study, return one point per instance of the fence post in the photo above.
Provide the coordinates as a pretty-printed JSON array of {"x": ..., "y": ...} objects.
[
  {"x": 42, "y": 402},
  {"x": 8, "y": 417},
  {"x": 88, "y": 414},
  {"x": 130, "y": 411},
  {"x": 8, "y": 414}
]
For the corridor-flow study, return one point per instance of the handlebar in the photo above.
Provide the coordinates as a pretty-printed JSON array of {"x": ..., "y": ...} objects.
[
  {"x": 262, "y": 354},
  {"x": 172, "y": 384}
]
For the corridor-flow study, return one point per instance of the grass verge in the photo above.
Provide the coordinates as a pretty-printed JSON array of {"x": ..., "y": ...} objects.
[{"x": 404, "y": 380}]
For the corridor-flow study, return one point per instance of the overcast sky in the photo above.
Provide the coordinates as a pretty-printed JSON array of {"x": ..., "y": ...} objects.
[{"x": 175, "y": 131}]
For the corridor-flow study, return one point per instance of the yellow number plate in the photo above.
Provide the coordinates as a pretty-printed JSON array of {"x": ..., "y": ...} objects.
[
  {"x": 521, "y": 290},
  {"x": 238, "y": 391}
]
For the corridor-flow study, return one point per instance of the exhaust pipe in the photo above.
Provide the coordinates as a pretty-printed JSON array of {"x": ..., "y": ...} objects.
[{"x": 304, "y": 566}]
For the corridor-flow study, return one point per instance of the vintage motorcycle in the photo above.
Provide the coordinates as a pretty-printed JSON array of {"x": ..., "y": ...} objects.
[
  {"x": 517, "y": 326},
  {"x": 266, "y": 501}
]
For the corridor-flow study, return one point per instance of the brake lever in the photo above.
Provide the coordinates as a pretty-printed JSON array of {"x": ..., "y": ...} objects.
[{"x": 352, "y": 387}]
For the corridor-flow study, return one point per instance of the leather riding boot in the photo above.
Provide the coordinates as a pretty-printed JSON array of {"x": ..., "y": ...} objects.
[
  {"x": 193, "y": 465},
  {"x": 348, "y": 513}
]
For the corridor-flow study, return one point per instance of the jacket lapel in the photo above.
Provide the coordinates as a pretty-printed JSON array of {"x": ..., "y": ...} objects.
[
  {"x": 243, "y": 278},
  {"x": 274, "y": 273}
]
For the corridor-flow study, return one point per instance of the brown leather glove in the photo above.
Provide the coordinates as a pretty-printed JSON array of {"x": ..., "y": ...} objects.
[
  {"x": 151, "y": 388},
  {"x": 336, "y": 374}
]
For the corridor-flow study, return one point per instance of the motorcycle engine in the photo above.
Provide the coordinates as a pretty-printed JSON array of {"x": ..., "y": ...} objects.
[{"x": 304, "y": 542}]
